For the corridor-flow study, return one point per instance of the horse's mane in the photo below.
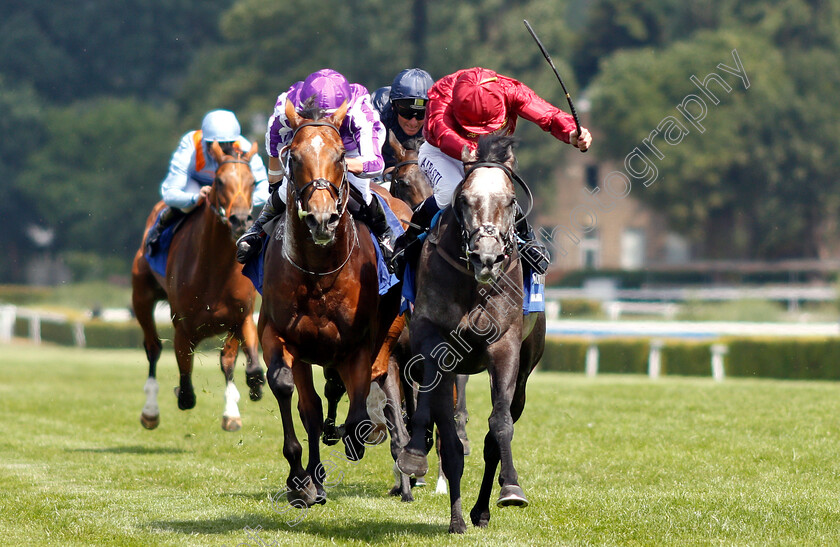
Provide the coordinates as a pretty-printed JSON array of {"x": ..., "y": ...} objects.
[
  {"x": 414, "y": 143},
  {"x": 496, "y": 148},
  {"x": 310, "y": 109}
]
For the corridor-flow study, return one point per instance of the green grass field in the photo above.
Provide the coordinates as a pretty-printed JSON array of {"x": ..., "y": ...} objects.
[{"x": 613, "y": 461}]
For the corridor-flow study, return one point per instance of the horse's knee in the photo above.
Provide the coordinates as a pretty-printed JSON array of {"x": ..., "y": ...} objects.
[{"x": 281, "y": 382}]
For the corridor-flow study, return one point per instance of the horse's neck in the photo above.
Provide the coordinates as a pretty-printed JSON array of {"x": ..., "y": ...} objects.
[{"x": 211, "y": 234}]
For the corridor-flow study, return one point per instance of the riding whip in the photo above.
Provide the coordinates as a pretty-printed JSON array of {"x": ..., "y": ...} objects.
[{"x": 559, "y": 79}]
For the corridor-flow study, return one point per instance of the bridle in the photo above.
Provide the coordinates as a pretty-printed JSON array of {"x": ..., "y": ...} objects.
[
  {"x": 216, "y": 207},
  {"x": 320, "y": 183},
  {"x": 490, "y": 230},
  {"x": 341, "y": 199}
]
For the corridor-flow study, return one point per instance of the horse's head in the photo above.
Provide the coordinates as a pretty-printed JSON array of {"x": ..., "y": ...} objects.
[
  {"x": 485, "y": 206},
  {"x": 408, "y": 182},
  {"x": 317, "y": 170},
  {"x": 233, "y": 189}
]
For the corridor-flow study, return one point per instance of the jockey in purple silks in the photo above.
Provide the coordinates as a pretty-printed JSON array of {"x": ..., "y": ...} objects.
[{"x": 362, "y": 134}]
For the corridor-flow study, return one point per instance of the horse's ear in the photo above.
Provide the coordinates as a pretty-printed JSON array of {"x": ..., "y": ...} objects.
[
  {"x": 216, "y": 150},
  {"x": 251, "y": 151},
  {"x": 467, "y": 155},
  {"x": 399, "y": 151},
  {"x": 338, "y": 116},
  {"x": 294, "y": 118}
]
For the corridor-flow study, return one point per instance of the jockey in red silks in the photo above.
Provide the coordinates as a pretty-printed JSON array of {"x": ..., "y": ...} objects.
[
  {"x": 362, "y": 134},
  {"x": 462, "y": 107}
]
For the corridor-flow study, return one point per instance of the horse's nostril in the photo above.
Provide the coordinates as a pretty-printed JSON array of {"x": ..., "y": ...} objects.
[{"x": 334, "y": 218}]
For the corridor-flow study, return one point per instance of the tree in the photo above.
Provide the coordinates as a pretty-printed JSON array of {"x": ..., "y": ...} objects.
[
  {"x": 748, "y": 186},
  {"x": 97, "y": 174}
]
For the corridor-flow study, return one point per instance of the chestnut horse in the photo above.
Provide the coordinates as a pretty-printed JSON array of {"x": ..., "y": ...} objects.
[
  {"x": 207, "y": 293},
  {"x": 468, "y": 318},
  {"x": 321, "y": 302}
]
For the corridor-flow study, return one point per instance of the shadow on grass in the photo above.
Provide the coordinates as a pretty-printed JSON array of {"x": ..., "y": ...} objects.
[
  {"x": 135, "y": 449},
  {"x": 368, "y": 531}
]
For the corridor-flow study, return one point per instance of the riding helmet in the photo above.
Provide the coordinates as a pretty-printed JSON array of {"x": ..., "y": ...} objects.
[
  {"x": 329, "y": 87},
  {"x": 379, "y": 98},
  {"x": 220, "y": 125},
  {"x": 478, "y": 101},
  {"x": 412, "y": 83}
]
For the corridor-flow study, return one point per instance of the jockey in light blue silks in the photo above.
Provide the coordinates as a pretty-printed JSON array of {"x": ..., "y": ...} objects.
[
  {"x": 192, "y": 170},
  {"x": 362, "y": 134}
]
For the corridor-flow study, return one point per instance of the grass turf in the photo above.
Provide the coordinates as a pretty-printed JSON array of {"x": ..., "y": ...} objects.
[{"x": 616, "y": 460}]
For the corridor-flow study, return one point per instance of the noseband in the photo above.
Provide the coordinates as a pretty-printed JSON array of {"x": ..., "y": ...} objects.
[{"x": 320, "y": 183}]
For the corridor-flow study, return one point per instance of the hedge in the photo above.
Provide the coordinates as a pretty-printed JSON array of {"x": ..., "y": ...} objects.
[
  {"x": 801, "y": 358},
  {"x": 805, "y": 359}
]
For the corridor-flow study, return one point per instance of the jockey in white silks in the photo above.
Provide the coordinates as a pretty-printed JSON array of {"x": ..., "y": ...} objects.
[{"x": 192, "y": 169}]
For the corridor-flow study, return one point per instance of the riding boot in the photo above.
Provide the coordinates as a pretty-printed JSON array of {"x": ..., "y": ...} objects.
[
  {"x": 534, "y": 253},
  {"x": 249, "y": 244},
  {"x": 167, "y": 218},
  {"x": 373, "y": 214},
  {"x": 408, "y": 246}
]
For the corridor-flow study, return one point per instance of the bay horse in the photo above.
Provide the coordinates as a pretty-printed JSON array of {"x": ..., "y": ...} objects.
[
  {"x": 468, "y": 318},
  {"x": 321, "y": 302},
  {"x": 207, "y": 293}
]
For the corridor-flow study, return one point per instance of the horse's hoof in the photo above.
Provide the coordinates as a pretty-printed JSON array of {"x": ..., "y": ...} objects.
[
  {"x": 308, "y": 495},
  {"x": 480, "y": 517},
  {"x": 330, "y": 435},
  {"x": 419, "y": 482},
  {"x": 353, "y": 450},
  {"x": 457, "y": 525},
  {"x": 231, "y": 424},
  {"x": 412, "y": 464},
  {"x": 512, "y": 494},
  {"x": 394, "y": 491},
  {"x": 186, "y": 401},
  {"x": 321, "y": 496},
  {"x": 378, "y": 435},
  {"x": 149, "y": 422},
  {"x": 255, "y": 383},
  {"x": 408, "y": 497}
]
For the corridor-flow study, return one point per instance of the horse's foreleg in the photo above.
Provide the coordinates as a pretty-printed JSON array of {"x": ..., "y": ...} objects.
[
  {"x": 254, "y": 375},
  {"x": 312, "y": 415},
  {"x": 184, "y": 349},
  {"x": 355, "y": 374},
  {"x": 480, "y": 513},
  {"x": 231, "y": 420},
  {"x": 333, "y": 391},
  {"x": 451, "y": 449},
  {"x": 143, "y": 298},
  {"x": 299, "y": 487},
  {"x": 504, "y": 379}
]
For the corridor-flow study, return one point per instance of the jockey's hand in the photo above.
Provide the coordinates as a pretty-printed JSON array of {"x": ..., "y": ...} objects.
[
  {"x": 582, "y": 142},
  {"x": 355, "y": 165},
  {"x": 203, "y": 192}
]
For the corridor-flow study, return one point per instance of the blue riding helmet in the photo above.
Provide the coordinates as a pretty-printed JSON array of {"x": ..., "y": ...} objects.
[
  {"x": 379, "y": 99},
  {"x": 220, "y": 125},
  {"x": 412, "y": 83}
]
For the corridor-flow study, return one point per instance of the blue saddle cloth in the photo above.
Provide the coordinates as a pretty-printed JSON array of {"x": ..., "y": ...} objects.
[
  {"x": 253, "y": 269},
  {"x": 533, "y": 287},
  {"x": 157, "y": 261}
]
